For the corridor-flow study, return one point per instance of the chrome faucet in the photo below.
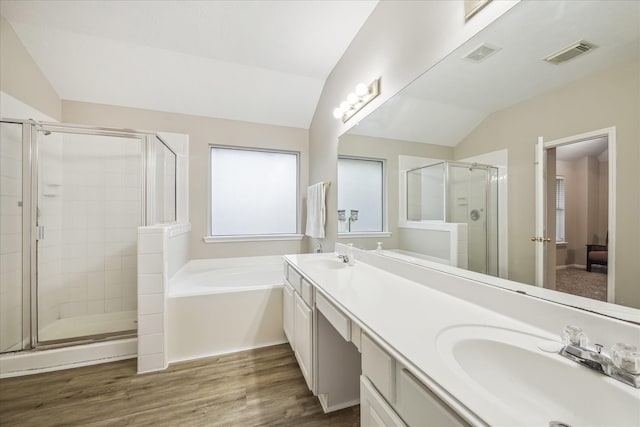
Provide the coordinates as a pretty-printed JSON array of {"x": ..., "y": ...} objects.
[{"x": 622, "y": 363}]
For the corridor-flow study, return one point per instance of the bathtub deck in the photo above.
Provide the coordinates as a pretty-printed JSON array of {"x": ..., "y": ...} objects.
[{"x": 262, "y": 387}]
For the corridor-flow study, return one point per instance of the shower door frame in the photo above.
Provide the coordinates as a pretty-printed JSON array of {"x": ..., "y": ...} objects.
[
  {"x": 487, "y": 169},
  {"x": 30, "y": 165}
]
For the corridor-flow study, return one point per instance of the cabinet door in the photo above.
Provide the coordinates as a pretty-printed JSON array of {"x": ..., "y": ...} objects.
[
  {"x": 303, "y": 329},
  {"x": 287, "y": 313},
  {"x": 374, "y": 410}
]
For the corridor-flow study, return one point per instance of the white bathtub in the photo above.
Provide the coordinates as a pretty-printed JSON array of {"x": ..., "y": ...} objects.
[{"x": 219, "y": 306}]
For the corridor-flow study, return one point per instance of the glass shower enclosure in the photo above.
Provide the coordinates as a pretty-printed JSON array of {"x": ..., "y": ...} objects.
[
  {"x": 72, "y": 200},
  {"x": 457, "y": 192}
]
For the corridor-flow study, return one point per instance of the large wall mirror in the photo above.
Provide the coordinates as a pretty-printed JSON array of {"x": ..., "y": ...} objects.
[{"x": 459, "y": 146}]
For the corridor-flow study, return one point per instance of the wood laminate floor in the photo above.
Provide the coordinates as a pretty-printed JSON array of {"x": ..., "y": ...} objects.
[{"x": 262, "y": 387}]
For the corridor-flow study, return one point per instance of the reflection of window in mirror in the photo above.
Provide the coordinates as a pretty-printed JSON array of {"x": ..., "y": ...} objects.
[
  {"x": 360, "y": 195},
  {"x": 560, "y": 235}
]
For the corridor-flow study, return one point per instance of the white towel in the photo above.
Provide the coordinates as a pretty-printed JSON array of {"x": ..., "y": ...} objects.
[{"x": 315, "y": 210}]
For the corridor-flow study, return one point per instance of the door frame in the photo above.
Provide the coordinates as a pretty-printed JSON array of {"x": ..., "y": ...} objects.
[{"x": 540, "y": 200}]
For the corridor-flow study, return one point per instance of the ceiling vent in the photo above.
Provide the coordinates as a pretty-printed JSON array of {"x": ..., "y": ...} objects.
[
  {"x": 570, "y": 52},
  {"x": 481, "y": 53}
]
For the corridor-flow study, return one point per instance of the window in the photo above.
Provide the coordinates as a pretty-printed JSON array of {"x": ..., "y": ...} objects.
[
  {"x": 360, "y": 195},
  {"x": 560, "y": 234},
  {"x": 253, "y": 192}
]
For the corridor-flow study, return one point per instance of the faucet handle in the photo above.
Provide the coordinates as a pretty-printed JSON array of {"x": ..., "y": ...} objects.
[
  {"x": 626, "y": 357},
  {"x": 573, "y": 335}
]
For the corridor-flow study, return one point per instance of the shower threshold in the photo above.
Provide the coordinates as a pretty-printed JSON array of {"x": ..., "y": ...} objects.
[{"x": 88, "y": 326}]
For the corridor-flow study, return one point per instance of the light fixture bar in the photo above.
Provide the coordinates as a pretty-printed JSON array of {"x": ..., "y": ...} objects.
[{"x": 357, "y": 100}]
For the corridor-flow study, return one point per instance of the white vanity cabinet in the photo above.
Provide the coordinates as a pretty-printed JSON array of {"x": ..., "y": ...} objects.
[
  {"x": 297, "y": 318},
  {"x": 392, "y": 387},
  {"x": 288, "y": 301},
  {"x": 320, "y": 335},
  {"x": 303, "y": 333}
]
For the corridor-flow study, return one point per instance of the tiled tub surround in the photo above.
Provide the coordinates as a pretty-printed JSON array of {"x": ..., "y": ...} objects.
[
  {"x": 224, "y": 305},
  {"x": 406, "y": 308},
  {"x": 162, "y": 249}
]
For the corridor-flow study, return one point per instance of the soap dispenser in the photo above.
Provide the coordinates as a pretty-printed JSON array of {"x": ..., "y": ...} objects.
[{"x": 379, "y": 248}]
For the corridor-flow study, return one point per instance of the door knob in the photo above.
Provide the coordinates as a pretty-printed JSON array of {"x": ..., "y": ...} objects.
[{"x": 534, "y": 238}]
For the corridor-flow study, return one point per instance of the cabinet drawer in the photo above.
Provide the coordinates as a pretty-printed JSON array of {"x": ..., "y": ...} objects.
[
  {"x": 379, "y": 367},
  {"x": 294, "y": 279},
  {"x": 374, "y": 411},
  {"x": 415, "y": 403},
  {"x": 339, "y": 321},
  {"x": 306, "y": 291}
]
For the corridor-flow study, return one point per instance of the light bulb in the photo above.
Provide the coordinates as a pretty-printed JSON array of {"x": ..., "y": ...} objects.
[
  {"x": 362, "y": 89},
  {"x": 337, "y": 113},
  {"x": 352, "y": 98},
  {"x": 344, "y": 106}
]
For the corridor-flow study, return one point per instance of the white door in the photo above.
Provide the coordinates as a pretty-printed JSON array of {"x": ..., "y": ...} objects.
[
  {"x": 541, "y": 238},
  {"x": 287, "y": 313},
  {"x": 303, "y": 324}
]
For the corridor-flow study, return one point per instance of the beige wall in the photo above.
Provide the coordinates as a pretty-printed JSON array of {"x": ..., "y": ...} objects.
[
  {"x": 604, "y": 99},
  {"x": 203, "y": 131},
  {"x": 399, "y": 41},
  {"x": 388, "y": 150},
  {"x": 21, "y": 77}
]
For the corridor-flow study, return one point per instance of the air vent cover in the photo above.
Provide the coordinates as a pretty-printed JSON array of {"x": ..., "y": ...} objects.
[
  {"x": 481, "y": 53},
  {"x": 570, "y": 52}
]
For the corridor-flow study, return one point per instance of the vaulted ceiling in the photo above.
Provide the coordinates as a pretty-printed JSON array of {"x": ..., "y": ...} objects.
[{"x": 256, "y": 61}]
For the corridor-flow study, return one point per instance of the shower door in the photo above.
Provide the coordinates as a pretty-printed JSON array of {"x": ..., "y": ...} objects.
[
  {"x": 89, "y": 206},
  {"x": 14, "y": 316},
  {"x": 472, "y": 199}
]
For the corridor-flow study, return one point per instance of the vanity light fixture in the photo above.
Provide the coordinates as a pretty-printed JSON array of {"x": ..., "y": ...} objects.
[{"x": 356, "y": 100}]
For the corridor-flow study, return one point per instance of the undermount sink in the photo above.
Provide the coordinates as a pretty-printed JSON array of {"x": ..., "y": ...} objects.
[
  {"x": 534, "y": 386},
  {"x": 330, "y": 263}
]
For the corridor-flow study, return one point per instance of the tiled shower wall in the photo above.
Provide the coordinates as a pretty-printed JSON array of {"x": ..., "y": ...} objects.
[
  {"x": 10, "y": 237},
  {"x": 96, "y": 202}
]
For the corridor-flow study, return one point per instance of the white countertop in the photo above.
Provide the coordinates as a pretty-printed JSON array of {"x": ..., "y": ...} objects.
[{"x": 409, "y": 317}]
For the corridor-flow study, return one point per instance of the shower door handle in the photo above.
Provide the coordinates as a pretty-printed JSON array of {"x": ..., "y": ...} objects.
[{"x": 40, "y": 232}]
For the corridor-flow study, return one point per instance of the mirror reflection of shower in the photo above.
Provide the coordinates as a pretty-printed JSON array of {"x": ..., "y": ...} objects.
[{"x": 458, "y": 192}]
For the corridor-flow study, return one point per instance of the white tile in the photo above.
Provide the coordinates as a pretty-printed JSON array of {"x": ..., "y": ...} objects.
[
  {"x": 149, "y": 304},
  {"x": 73, "y": 309},
  {"x": 151, "y": 362},
  {"x": 149, "y": 344},
  {"x": 129, "y": 303},
  {"x": 95, "y": 307},
  {"x": 150, "y": 263},
  {"x": 150, "y": 243},
  {"x": 113, "y": 290},
  {"x": 95, "y": 263},
  {"x": 150, "y": 324},
  {"x": 150, "y": 284},
  {"x": 113, "y": 262},
  {"x": 95, "y": 291},
  {"x": 113, "y": 277},
  {"x": 113, "y": 305}
]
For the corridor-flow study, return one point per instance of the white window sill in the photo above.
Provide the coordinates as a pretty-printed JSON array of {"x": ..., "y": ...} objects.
[
  {"x": 251, "y": 238},
  {"x": 562, "y": 243},
  {"x": 356, "y": 234}
]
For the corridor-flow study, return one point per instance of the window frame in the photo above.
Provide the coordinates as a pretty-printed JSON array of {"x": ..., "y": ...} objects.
[
  {"x": 211, "y": 238},
  {"x": 384, "y": 208}
]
